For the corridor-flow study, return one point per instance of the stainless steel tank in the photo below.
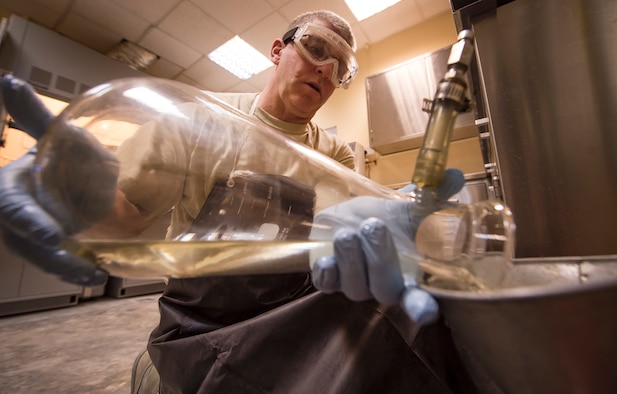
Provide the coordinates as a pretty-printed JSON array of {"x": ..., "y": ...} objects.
[
  {"x": 546, "y": 93},
  {"x": 547, "y": 89}
]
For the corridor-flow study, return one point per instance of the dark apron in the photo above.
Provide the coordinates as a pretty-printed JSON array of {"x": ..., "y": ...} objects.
[{"x": 277, "y": 334}]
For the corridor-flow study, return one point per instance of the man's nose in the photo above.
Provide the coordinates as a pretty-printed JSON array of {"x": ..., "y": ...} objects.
[{"x": 325, "y": 70}]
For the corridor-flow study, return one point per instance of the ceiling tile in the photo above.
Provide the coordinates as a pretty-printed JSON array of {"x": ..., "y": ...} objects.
[
  {"x": 262, "y": 35},
  {"x": 184, "y": 79},
  {"x": 169, "y": 48},
  {"x": 277, "y": 3},
  {"x": 391, "y": 20},
  {"x": 226, "y": 12},
  {"x": 56, "y": 5},
  {"x": 113, "y": 17},
  {"x": 39, "y": 13},
  {"x": 183, "y": 32},
  {"x": 152, "y": 11},
  {"x": 163, "y": 68},
  {"x": 90, "y": 34},
  {"x": 192, "y": 26},
  {"x": 209, "y": 74}
]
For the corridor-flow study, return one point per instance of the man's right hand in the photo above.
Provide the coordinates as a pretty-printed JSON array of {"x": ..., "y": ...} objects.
[
  {"x": 41, "y": 205},
  {"x": 370, "y": 233}
]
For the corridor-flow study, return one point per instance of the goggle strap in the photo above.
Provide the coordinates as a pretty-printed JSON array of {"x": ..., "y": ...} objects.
[{"x": 289, "y": 36}]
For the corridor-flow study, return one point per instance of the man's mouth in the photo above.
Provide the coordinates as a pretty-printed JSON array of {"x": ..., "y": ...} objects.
[{"x": 314, "y": 86}]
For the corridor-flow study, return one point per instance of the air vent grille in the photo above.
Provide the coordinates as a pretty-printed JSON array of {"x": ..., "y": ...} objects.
[
  {"x": 40, "y": 78},
  {"x": 45, "y": 58}
]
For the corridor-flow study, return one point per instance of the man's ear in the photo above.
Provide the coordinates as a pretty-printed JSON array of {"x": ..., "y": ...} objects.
[{"x": 275, "y": 51}]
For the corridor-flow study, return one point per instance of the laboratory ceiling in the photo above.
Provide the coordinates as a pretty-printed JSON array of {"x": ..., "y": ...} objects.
[{"x": 183, "y": 32}]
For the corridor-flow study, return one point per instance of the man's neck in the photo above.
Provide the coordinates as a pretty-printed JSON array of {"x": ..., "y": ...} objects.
[{"x": 270, "y": 102}]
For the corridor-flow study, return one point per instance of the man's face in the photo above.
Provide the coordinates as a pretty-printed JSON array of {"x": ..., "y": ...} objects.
[{"x": 303, "y": 87}]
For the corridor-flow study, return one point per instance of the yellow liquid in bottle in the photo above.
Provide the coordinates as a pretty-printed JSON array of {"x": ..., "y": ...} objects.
[{"x": 161, "y": 259}]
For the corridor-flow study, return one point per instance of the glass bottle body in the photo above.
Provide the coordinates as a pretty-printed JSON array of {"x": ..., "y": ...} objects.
[{"x": 178, "y": 153}]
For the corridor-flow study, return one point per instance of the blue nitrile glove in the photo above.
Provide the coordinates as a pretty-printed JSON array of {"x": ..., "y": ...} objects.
[
  {"x": 75, "y": 189},
  {"x": 372, "y": 234}
]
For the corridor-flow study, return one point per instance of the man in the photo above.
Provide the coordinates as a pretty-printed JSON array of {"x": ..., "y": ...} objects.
[{"x": 266, "y": 333}]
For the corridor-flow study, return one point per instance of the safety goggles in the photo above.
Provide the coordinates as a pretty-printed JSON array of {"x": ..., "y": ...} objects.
[{"x": 321, "y": 46}]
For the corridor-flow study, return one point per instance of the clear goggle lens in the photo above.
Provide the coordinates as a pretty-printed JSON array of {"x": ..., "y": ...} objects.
[{"x": 322, "y": 46}]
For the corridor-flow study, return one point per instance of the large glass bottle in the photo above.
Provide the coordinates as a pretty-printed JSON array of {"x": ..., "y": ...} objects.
[{"x": 251, "y": 192}]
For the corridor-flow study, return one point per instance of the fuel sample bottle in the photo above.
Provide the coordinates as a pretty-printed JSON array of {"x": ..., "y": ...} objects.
[{"x": 177, "y": 152}]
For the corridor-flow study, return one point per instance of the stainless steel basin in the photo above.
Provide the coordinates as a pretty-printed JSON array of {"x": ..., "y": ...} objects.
[{"x": 551, "y": 329}]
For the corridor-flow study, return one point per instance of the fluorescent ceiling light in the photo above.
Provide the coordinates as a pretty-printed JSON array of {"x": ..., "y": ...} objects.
[
  {"x": 239, "y": 58},
  {"x": 362, "y": 9}
]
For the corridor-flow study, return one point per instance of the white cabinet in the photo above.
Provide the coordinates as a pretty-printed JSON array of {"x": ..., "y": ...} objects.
[{"x": 26, "y": 288}]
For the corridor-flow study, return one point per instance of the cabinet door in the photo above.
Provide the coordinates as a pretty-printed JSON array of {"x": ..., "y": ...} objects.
[
  {"x": 37, "y": 283},
  {"x": 11, "y": 269},
  {"x": 20, "y": 279},
  {"x": 395, "y": 98}
]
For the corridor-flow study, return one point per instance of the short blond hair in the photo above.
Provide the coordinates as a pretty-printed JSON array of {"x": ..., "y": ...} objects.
[{"x": 341, "y": 26}]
